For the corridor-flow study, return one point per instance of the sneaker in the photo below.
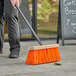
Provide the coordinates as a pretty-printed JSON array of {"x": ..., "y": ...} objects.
[
  {"x": 1, "y": 52},
  {"x": 14, "y": 54}
]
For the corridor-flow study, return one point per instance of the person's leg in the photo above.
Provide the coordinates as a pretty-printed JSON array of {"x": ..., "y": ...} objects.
[
  {"x": 11, "y": 16},
  {"x": 1, "y": 25},
  {"x": 1, "y": 34}
]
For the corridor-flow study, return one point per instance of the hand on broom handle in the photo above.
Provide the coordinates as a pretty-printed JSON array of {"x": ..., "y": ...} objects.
[{"x": 28, "y": 24}]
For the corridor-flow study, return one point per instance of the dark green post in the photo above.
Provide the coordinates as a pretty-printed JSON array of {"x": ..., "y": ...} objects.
[{"x": 34, "y": 16}]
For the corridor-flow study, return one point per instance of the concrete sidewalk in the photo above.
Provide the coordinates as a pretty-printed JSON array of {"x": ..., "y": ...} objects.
[{"x": 17, "y": 67}]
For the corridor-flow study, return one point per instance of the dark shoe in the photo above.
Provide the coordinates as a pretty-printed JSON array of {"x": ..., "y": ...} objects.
[
  {"x": 14, "y": 54},
  {"x": 1, "y": 52}
]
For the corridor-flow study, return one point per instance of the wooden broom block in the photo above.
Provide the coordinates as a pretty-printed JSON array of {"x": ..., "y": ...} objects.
[{"x": 43, "y": 47}]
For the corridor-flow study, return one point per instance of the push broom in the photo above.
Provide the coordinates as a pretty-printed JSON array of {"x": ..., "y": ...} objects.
[{"x": 43, "y": 53}]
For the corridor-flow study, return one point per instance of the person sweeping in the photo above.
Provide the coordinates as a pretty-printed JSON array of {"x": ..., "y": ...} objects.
[
  {"x": 37, "y": 54},
  {"x": 10, "y": 14}
]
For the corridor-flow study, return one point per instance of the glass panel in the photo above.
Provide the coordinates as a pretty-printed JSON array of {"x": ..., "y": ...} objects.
[
  {"x": 47, "y": 17},
  {"x": 5, "y": 31},
  {"x": 24, "y": 30}
]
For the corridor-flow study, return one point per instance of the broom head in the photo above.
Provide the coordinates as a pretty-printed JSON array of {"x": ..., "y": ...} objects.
[{"x": 43, "y": 54}]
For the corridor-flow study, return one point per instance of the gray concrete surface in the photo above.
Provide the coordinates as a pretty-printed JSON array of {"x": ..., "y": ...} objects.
[{"x": 17, "y": 67}]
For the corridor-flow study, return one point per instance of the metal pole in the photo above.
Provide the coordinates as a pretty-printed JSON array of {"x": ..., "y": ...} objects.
[
  {"x": 28, "y": 24},
  {"x": 34, "y": 16}
]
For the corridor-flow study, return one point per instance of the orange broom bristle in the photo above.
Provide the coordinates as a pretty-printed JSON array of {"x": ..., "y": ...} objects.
[{"x": 41, "y": 56}]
